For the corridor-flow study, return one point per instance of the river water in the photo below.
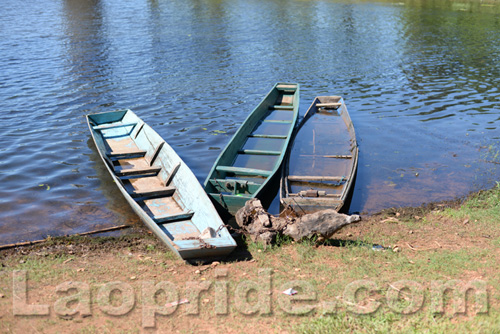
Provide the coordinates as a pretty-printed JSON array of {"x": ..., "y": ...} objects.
[{"x": 420, "y": 79}]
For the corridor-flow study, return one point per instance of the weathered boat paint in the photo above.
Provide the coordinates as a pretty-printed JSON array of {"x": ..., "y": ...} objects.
[
  {"x": 159, "y": 186},
  {"x": 253, "y": 157}
]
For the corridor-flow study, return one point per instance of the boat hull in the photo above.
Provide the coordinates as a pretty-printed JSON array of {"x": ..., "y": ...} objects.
[
  {"x": 252, "y": 159},
  {"x": 159, "y": 186},
  {"x": 321, "y": 163}
]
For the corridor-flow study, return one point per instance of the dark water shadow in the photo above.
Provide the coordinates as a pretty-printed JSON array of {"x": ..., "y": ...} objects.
[{"x": 346, "y": 208}]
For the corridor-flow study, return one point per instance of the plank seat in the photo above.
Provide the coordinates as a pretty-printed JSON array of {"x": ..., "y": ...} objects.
[
  {"x": 313, "y": 202},
  {"x": 243, "y": 171},
  {"x": 173, "y": 217},
  {"x": 276, "y": 121},
  {"x": 287, "y": 88},
  {"x": 339, "y": 156},
  {"x": 121, "y": 171},
  {"x": 126, "y": 154},
  {"x": 281, "y": 107},
  {"x": 328, "y": 105},
  {"x": 267, "y": 136},
  {"x": 305, "y": 195},
  {"x": 112, "y": 126},
  {"x": 259, "y": 152},
  {"x": 316, "y": 178},
  {"x": 155, "y": 192}
]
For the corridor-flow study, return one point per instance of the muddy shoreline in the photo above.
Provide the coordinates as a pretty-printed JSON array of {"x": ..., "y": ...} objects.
[
  {"x": 452, "y": 241},
  {"x": 139, "y": 238}
]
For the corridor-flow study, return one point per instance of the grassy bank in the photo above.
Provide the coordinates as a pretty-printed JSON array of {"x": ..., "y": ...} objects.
[{"x": 396, "y": 271}]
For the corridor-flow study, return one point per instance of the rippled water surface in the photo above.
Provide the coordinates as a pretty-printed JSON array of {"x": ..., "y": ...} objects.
[{"x": 421, "y": 81}]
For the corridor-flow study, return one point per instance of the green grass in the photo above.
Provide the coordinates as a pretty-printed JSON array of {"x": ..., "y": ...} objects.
[
  {"x": 37, "y": 267},
  {"x": 482, "y": 211},
  {"x": 482, "y": 207},
  {"x": 389, "y": 322},
  {"x": 447, "y": 263}
]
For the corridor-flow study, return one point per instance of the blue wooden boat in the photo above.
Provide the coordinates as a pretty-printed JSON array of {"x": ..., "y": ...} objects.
[
  {"x": 254, "y": 155},
  {"x": 159, "y": 186},
  {"x": 321, "y": 163}
]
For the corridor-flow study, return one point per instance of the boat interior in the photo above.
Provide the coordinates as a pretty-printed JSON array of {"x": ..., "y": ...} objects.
[
  {"x": 260, "y": 150},
  {"x": 324, "y": 143},
  {"x": 132, "y": 153}
]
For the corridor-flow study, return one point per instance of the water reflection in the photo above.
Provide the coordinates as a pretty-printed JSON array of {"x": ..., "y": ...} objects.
[
  {"x": 420, "y": 80},
  {"x": 87, "y": 52}
]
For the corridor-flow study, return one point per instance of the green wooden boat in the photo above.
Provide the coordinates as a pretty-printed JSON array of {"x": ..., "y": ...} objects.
[
  {"x": 159, "y": 187},
  {"x": 321, "y": 162},
  {"x": 254, "y": 155}
]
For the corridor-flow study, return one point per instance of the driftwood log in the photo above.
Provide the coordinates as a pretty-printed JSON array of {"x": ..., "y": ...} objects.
[{"x": 254, "y": 221}]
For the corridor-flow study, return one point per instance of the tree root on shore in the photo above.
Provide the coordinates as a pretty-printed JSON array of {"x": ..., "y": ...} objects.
[{"x": 257, "y": 223}]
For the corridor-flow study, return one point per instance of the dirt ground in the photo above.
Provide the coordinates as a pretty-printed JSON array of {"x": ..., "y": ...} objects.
[{"x": 122, "y": 284}]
